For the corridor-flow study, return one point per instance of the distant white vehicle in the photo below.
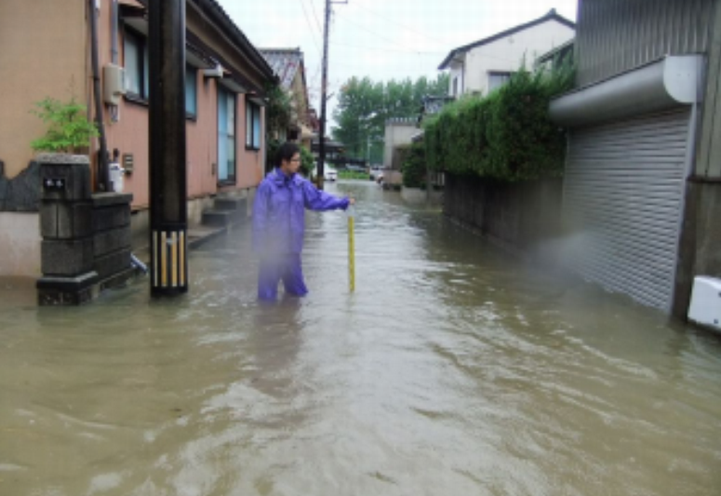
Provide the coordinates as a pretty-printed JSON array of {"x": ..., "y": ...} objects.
[
  {"x": 376, "y": 172},
  {"x": 329, "y": 174}
]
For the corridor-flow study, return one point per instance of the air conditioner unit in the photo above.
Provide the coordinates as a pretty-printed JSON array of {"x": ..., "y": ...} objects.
[
  {"x": 705, "y": 306},
  {"x": 113, "y": 84},
  {"x": 216, "y": 72}
]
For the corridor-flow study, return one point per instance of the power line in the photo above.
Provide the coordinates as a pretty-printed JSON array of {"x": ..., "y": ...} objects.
[
  {"x": 381, "y": 49},
  {"x": 307, "y": 20},
  {"x": 315, "y": 14},
  {"x": 381, "y": 16},
  {"x": 374, "y": 33}
]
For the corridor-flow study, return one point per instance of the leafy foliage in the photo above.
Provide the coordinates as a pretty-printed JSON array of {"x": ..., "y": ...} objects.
[
  {"x": 69, "y": 130},
  {"x": 272, "y": 146},
  {"x": 279, "y": 111},
  {"x": 414, "y": 166},
  {"x": 307, "y": 161},
  {"x": 365, "y": 105},
  {"x": 506, "y": 135}
]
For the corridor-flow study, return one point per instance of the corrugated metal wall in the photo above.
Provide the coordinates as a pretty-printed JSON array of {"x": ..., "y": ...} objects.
[
  {"x": 708, "y": 163},
  {"x": 623, "y": 197},
  {"x": 615, "y": 36}
]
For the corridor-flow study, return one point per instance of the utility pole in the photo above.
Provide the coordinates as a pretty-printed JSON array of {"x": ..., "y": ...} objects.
[
  {"x": 323, "y": 96},
  {"x": 168, "y": 188}
]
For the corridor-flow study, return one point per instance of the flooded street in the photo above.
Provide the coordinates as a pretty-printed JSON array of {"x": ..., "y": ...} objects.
[{"x": 455, "y": 369}]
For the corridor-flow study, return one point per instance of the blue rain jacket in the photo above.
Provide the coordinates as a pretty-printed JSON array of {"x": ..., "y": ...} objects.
[{"x": 279, "y": 212}]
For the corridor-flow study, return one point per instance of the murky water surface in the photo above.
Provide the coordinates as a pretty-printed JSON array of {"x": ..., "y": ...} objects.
[{"x": 454, "y": 370}]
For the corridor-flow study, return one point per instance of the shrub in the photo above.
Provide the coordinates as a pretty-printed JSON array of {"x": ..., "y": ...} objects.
[
  {"x": 307, "y": 161},
  {"x": 414, "y": 166},
  {"x": 506, "y": 135},
  {"x": 69, "y": 130},
  {"x": 271, "y": 153}
]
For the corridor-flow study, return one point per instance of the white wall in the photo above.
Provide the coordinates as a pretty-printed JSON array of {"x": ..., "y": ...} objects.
[
  {"x": 397, "y": 134},
  {"x": 506, "y": 54},
  {"x": 20, "y": 241},
  {"x": 456, "y": 71}
]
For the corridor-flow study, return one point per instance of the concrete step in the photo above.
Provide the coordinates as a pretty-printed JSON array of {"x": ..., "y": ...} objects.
[
  {"x": 200, "y": 234},
  {"x": 231, "y": 204},
  {"x": 218, "y": 218}
]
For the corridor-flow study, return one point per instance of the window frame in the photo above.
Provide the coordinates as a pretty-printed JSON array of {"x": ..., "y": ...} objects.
[
  {"x": 507, "y": 74},
  {"x": 141, "y": 43},
  {"x": 189, "y": 69},
  {"x": 232, "y": 179},
  {"x": 252, "y": 111}
]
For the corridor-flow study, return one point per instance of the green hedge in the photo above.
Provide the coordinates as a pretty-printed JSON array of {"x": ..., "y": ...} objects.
[
  {"x": 506, "y": 135},
  {"x": 414, "y": 166},
  {"x": 307, "y": 161}
]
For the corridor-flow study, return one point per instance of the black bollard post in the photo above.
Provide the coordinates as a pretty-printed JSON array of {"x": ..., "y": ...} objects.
[{"x": 168, "y": 188}]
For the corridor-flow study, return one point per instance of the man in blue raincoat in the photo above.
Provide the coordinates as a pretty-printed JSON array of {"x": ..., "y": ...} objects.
[{"x": 279, "y": 223}]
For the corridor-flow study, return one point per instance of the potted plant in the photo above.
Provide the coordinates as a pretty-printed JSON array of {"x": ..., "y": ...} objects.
[
  {"x": 65, "y": 143},
  {"x": 69, "y": 130}
]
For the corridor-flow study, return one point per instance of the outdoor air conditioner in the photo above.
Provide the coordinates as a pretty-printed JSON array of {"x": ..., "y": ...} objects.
[
  {"x": 113, "y": 84},
  {"x": 215, "y": 72},
  {"x": 705, "y": 308}
]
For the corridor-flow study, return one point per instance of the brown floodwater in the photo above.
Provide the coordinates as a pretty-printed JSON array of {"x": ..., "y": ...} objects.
[{"x": 455, "y": 369}]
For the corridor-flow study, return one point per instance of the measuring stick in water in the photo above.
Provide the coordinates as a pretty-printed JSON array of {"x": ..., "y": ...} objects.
[{"x": 351, "y": 248}]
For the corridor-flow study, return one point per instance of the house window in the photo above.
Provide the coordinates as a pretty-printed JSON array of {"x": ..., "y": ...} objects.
[
  {"x": 191, "y": 91},
  {"x": 498, "y": 79},
  {"x": 226, "y": 135},
  {"x": 252, "y": 125},
  {"x": 136, "y": 65}
]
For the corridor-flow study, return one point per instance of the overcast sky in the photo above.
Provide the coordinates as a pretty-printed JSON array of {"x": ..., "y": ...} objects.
[{"x": 382, "y": 39}]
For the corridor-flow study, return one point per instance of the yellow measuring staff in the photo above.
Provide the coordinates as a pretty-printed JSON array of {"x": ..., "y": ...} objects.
[{"x": 351, "y": 248}]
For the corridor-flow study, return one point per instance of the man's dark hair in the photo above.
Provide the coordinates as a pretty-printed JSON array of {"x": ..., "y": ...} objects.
[{"x": 286, "y": 152}]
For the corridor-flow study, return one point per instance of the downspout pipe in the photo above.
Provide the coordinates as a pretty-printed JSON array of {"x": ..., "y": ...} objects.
[
  {"x": 114, "y": 32},
  {"x": 102, "y": 180}
]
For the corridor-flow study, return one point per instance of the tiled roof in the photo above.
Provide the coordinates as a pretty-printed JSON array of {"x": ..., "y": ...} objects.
[{"x": 285, "y": 63}]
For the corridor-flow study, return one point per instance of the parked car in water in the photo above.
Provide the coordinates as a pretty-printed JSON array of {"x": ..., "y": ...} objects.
[
  {"x": 330, "y": 174},
  {"x": 376, "y": 172}
]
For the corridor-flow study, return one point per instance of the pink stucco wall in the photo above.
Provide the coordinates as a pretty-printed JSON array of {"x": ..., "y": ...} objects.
[{"x": 130, "y": 135}]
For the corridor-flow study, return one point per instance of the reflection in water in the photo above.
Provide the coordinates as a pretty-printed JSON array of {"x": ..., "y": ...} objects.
[{"x": 454, "y": 369}]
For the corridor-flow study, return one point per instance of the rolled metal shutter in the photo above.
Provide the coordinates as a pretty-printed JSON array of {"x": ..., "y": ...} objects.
[{"x": 623, "y": 198}]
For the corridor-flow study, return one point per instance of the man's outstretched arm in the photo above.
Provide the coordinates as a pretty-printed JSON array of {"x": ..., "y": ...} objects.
[{"x": 320, "y": 201}]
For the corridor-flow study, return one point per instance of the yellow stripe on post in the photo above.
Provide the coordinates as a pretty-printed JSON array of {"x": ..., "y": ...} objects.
[
  {"x": 163, "y": 260},
  {"x": 182, "y": 258},
  {"x": 351, "y": 252},
  {"x": 155, "y": 259},
  {"x": 174, "y": 262}
]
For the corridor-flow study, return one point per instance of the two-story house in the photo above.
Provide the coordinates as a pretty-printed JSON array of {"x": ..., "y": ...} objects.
[{"x": 482, "y": 66}]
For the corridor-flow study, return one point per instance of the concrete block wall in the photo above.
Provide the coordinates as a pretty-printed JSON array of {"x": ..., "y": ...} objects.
[
  {"x": 522, "y": 216},
  {"x": 111, "y": 234}
]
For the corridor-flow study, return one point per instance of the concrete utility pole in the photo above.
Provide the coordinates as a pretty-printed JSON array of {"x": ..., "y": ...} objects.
[
  {"x": 168, "y": 183},
  {"x": 323, "y": 97}
]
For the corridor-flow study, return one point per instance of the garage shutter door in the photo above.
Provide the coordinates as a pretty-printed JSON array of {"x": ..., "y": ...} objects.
[{"x": 623, "y": 197}]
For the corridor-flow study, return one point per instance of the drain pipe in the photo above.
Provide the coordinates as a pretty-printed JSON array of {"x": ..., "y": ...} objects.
[
  {"x": 102, "y": 179},
  {"x": 114, "y": 32},
  {"x": 137, "y": 264}
]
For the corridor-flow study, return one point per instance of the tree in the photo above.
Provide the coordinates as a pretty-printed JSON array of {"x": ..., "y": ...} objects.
[{"x": 365, "y": 105}]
